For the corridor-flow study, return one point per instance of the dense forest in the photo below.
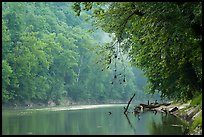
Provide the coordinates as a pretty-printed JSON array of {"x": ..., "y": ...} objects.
[
  {"x": 52, "y": 55},
  {"x": 164, "y": 39}
]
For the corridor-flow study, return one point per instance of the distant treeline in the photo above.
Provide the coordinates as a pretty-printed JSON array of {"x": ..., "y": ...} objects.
[{"x": 48, "y": 55}]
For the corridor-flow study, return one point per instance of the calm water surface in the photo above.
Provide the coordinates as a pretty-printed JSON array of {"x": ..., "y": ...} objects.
[{"x": 88, "y": 120}]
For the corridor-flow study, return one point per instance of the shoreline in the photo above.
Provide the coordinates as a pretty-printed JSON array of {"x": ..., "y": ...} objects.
[{"x": 187, "y": 114}]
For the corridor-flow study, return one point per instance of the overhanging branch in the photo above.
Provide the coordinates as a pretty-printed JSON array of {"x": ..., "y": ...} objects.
[{"x": 135, "y": 12}]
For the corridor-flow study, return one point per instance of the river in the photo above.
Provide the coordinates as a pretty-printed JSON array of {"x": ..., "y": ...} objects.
[{"x": 88, "y": 120}]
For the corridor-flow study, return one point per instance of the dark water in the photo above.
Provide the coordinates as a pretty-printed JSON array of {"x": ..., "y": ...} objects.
[{"x": 88, "y": 121}]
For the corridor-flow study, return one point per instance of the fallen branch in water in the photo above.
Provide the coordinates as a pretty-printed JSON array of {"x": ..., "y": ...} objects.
[
  {"x": 150, "y": 106},
  {"x": 154, "y": 105},
  {"x": 126, "y": 108}
]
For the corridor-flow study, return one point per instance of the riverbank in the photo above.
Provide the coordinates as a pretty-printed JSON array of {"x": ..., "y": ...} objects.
[{"x": 189, "y": 114}]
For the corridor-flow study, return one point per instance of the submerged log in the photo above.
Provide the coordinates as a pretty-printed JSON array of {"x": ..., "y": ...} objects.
[
  {"x": 166, "y": 104},
  {"x": 174, "y": 109},
  {"x": 126, "y": 108},
  {"x": 154, "y": 105},
  {"x": 165, "y": 110},
  {"x": 150, "y": 106}
]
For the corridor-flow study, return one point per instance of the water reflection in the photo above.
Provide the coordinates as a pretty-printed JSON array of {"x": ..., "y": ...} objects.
[
  {"x": 96, "y": 121},
  {"x": 165, "y": 126},
  {"x": 130, "y": 124}
]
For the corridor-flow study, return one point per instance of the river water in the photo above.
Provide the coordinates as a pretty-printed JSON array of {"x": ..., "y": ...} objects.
[{"x": 88, "y": 120}]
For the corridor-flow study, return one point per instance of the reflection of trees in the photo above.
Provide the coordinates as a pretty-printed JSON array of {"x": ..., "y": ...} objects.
[
  {"x": 93, "y": 121},
  {"x": 165, "y": 127}
]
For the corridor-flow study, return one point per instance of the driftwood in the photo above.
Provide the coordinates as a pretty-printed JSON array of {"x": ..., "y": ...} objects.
[
  {"x": 174, "y": 109},
  {"x": 154, "y": 105},
  {"x": 164, "y": 110},
  {"x": 166, "y": 104},
  {"x": 150, "y": 105},
  {"x": 126, "y": 108}
]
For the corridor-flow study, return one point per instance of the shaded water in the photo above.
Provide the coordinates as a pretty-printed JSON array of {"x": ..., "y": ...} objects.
[{"x": 87, "y": 120}]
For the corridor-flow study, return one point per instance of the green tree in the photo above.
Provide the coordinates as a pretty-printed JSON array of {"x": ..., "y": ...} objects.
[
  {"x": 50, "y": 57},
  {"x": 163, "y": 39},
  {"x": 6, "y": 74}
]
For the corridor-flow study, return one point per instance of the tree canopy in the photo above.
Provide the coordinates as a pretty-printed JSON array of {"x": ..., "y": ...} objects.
[
  {"x": 49, "y": 55},
  {"x": 162, "y": 38}
]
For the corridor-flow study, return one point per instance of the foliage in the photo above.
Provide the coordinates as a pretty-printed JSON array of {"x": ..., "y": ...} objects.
[
  {"x": 7, "y": 72},
  {"x": 48, "y": 56},
  {"x": 197, "y": 101},
  {"x": 163, "y": 39},
  {"x": 197, "y": 122}
]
